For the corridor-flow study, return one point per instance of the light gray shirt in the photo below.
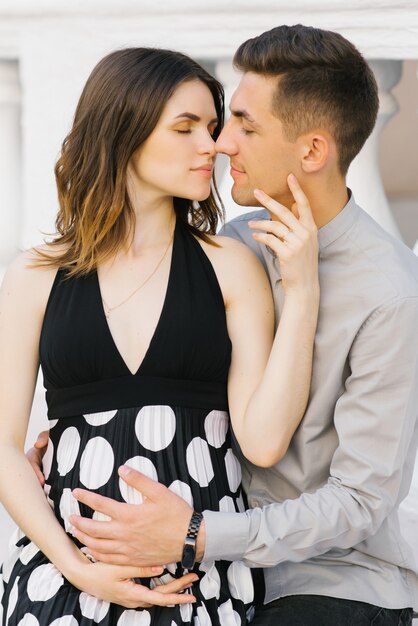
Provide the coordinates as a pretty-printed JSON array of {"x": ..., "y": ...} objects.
[{"x": 325, "y": 518}]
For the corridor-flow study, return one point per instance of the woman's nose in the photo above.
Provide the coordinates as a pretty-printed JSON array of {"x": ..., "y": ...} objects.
[{"x": 207, "y": 145}]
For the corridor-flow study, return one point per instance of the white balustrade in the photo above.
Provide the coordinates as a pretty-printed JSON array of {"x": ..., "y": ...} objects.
[
  {"x": 364, "y": 173},
  {"x": 10, "y": 162},
  {"x": 416, "y": 243},
  {"x": 54, "y": 43}
]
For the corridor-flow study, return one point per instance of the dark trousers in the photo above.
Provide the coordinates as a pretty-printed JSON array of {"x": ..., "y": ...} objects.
[{"x": 306, "y": 610}]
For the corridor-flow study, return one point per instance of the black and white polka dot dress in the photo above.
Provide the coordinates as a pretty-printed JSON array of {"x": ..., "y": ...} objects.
[{"x": 169, "y": 420}]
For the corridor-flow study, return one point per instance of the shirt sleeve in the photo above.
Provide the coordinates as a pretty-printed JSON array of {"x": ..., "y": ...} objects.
[
  {"x": 375, "y": 421},
  {"x": 238, "y": 229}
]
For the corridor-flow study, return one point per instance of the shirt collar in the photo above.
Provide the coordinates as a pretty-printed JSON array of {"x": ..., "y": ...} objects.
[{"x": 339, "y": 224}]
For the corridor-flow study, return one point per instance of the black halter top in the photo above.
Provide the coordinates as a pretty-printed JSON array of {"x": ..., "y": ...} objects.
[{"x": 186, "y": 363}]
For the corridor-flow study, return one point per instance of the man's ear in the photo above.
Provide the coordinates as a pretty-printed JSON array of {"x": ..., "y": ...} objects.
[{"x": 317, "y": 150}]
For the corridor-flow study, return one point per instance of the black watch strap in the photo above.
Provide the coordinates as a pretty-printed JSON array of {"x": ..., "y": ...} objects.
[{"x": 189, "y": 551}]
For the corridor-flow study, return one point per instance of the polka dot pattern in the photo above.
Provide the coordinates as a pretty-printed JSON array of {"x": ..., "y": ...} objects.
[
  {"x": 93, "y": 474},
  {"x": 171, "y": 567},
  {"x": 134, "y": 618},
  {"x": 165, "y": 579},
  {"x": 67, "y": 452},
  {"x": 186, "y": 612},
  {"x": 227, "y": 615},
  {"x": 68, "y": 506},
  {"x": 10, "y": 561},
  {"x": 203, "y": 616},
  {"x": 93, "y": 608},
  {"x": 210, "y": 584},
  {"x": 47, "y": 460},
  {"x": 14, "y": 594},
  {"x": 47, "y": 491},
  {"x": 99, "y": 419},
  {"x": 241, "y": 504},
  {"x": 155, "y": 427},
  {"x": 65, "y": 620},
  {"x": 28, "y": 620},
  {"x": 140, "y": 464},
  {"x": 233, "y": 470},
  {"x": 240, "y": 582},
  {"x": 216, "y": 428},
  {"x": 199, "y": 462},
  {"x": 226, "y": 505},
  {"x": 28, "y": 553},
  {"x": 101, "y": 517},
  {"x": 44, "y": 583},
  {"x": 183, "y": 490},
  {"x": 207, "y": 468}
]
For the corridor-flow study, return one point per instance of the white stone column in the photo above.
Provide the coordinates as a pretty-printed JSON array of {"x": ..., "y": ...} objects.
[
  {"x": 10, "y": 205},
  {"x": 10, "y": 161},
  {"x": 416, "y": 243},
  {"x": 364, "y": 174}
]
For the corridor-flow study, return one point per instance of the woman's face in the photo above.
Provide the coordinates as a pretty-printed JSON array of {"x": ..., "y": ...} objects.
[{"x": 178, "y": 157}]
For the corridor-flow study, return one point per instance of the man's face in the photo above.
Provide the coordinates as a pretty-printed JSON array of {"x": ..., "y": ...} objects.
[{"x": 253, "y": 138}]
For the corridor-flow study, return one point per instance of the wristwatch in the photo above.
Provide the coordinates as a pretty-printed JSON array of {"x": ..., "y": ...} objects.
[{"x": 189, "y": 551}]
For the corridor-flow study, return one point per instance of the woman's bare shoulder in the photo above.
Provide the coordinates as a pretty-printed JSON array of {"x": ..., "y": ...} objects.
[
  {"x": 27, "y": 277},
  {"x": 232, "y": 253},
  {"x": 227, "y": 246},
  {"x": 236, "y": 267},
  {"x": 30, "y": 262}
]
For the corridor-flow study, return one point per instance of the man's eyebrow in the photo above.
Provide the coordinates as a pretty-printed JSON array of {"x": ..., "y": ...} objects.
[
  {"x": 195, "y": 118},
  {"x": 244, "y": 114}
]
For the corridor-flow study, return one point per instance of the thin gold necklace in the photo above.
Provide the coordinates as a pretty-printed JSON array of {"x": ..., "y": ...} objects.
[{"x": 108, "y": 309}]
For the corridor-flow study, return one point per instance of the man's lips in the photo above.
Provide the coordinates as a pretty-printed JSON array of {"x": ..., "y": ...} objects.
[{"x": 235, "y": 171}]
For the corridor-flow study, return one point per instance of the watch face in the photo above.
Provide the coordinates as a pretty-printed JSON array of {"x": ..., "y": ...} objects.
[{"x": 189, "y": 555}]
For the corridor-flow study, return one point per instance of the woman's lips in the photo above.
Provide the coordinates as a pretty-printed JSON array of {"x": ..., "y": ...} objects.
[{"x": 205, "y": 170}]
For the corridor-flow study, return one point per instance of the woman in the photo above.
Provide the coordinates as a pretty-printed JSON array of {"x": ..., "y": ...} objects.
[{"x": 143, "y": 320}]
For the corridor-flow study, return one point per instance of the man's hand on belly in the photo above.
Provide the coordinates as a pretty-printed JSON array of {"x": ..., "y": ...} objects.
[{"x": 148, "y": 534}]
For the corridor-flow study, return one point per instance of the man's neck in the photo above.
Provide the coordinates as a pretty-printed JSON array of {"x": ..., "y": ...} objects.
[{"x": 326, "y": 204}]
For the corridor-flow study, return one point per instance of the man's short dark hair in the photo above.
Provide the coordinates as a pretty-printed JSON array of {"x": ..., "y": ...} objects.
[{"x": 323, "y": 82}]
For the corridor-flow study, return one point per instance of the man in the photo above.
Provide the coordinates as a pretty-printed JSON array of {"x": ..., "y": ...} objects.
[{"x": 325, "y": 518}]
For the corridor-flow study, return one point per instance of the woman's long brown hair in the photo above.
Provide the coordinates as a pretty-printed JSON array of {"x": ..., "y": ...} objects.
[{"x": 119, "y": 108}]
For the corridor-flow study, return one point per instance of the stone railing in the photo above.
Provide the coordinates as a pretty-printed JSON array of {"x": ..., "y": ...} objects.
[{"x": 47, "y": 51}]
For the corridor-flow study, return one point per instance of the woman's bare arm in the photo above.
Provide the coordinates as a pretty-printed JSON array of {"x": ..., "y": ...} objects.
[{"x": 269, "y": 380}]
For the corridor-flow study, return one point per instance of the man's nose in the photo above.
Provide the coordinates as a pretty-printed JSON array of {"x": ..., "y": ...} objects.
[{"x": 225, "y": 143}]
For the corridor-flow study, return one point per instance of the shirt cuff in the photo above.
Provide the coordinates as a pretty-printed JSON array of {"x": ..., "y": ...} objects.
[{"x": 226, "y": 536}]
